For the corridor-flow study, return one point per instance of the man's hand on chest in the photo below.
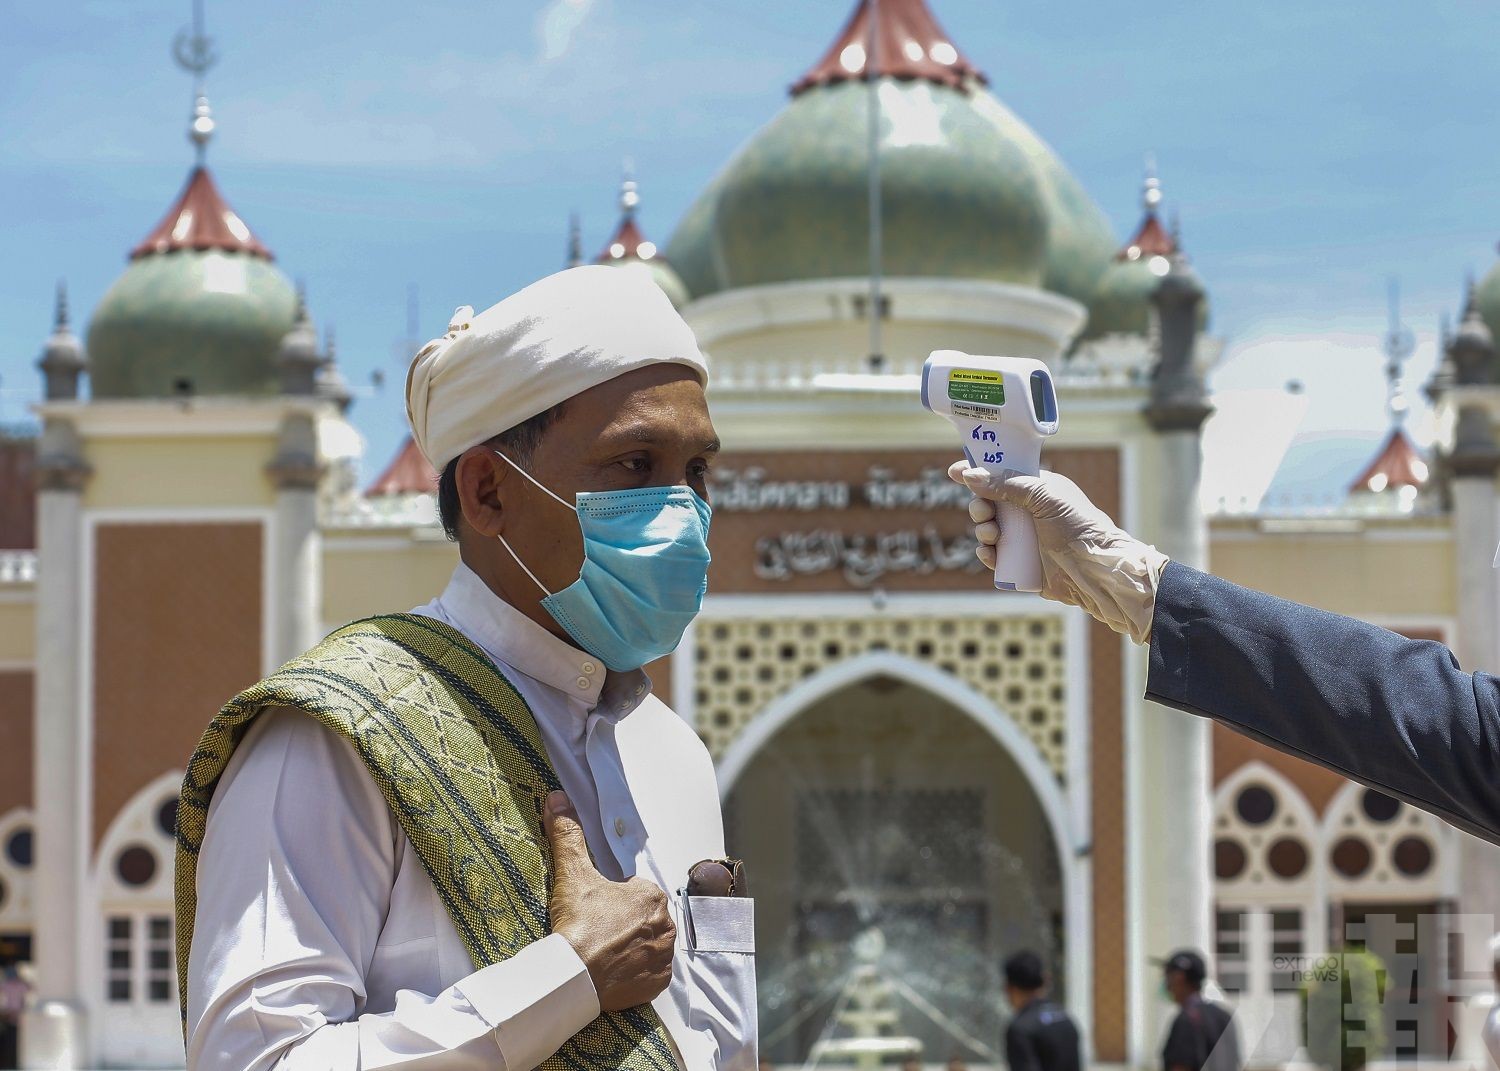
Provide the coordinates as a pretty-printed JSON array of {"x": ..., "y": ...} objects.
[{"x": 622, "y": 931}]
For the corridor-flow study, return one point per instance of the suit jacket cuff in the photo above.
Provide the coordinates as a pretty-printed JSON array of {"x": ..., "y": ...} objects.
[{"x": 1179, "y": 600}]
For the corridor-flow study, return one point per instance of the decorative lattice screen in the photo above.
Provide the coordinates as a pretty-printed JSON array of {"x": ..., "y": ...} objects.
[{"x": 1018, "y": 663}]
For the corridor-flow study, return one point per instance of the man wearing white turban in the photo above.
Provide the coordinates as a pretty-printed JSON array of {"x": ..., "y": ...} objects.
[{"x": 469, "y": 836}]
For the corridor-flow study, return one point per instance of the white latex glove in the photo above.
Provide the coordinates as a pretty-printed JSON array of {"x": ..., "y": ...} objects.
[{"x": 1086, "y": 560}]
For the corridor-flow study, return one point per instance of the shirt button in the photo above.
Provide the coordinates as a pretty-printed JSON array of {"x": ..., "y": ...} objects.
[
  {"x": 583, "y": 682},
  {"x": 619, "y": 827},
  {"x": 589, "y": 668}
]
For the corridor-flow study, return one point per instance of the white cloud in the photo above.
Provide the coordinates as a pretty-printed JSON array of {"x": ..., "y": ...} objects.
[
  {"x": 558, "y": 23},
  {"x": 1313, "y": 440}
]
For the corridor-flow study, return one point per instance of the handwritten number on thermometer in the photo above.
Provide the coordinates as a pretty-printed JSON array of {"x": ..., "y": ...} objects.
[{"x": 984, "y": 435}]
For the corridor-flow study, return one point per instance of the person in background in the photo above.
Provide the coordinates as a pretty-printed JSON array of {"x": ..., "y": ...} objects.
[
  {"x": 13, "y": 995},
  {"x": 1491, "y": 1029},
  {"x": 1041, "y": 1036},
  {"x": 1202, "y": 1037}
]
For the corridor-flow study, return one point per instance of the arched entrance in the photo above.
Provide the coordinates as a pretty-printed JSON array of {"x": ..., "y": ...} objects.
[{"x": 889, "y": 815}]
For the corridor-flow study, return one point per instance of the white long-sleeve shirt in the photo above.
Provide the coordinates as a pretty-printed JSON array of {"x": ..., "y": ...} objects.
[{"x": 320, "y": 941}]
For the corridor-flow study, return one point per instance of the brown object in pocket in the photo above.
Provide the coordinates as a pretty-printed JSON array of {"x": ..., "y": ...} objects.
[{"x": 716, "y": 877}]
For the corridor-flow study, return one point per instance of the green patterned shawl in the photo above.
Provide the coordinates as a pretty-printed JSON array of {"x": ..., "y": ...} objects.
[{"x": 456, "y": 754}]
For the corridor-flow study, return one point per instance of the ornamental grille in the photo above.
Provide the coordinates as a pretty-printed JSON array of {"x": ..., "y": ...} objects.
[{"x": 1017, "y": 663}]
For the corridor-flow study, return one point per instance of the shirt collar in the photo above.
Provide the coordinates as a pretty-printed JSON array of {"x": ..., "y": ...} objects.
[{"x": 509, "y": 636}]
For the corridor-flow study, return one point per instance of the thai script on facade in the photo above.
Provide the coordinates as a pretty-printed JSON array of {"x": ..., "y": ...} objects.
[
  {"x": 749, "y": 490},
  {"x": 863, "y": 558}
]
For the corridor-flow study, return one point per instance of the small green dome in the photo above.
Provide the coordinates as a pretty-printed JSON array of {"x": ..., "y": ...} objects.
[
  {"x": 959, "y": 199},
  {"x": 1122, "y": 299},
  {"x": 1487, "y": 298},
  {"x": 210, "y": 319},
  {"x": 661, "y": 274}
]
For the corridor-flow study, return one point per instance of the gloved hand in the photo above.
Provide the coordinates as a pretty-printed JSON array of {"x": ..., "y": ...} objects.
[{"x": 1086, "y": 560}]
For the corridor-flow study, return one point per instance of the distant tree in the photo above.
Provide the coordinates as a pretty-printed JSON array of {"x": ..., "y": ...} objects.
[{"x": 1343, "y": 1011}]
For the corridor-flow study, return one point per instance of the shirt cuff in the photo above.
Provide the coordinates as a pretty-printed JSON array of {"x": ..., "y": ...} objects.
[{"x": 534, "y": 1001}]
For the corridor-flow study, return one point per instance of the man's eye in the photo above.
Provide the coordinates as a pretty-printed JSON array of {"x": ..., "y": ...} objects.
[
  {"x": 637, "y": 464},
  {"x": 698, "y": 470}
]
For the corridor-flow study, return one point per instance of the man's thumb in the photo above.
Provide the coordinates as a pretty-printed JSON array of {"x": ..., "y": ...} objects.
[
  {"x": 570, "y": 852},
  {"x": 1008, "y": 485}
]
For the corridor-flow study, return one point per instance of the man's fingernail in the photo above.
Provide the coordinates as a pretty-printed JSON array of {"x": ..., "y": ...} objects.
[{"x": 557, "y": 803}]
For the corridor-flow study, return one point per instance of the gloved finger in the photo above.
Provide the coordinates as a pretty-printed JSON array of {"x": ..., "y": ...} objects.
[
  {"x": 986, "y": 554},
  {"x": 981, "y": 509},
  {"x": 956, "y": 471},
  {"x": 987, "y": 533},
  {"x": 1008, "y": 485}
]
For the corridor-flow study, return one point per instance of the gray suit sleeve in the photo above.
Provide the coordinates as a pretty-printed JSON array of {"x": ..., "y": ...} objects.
[{"x": 1396, "y": 714}]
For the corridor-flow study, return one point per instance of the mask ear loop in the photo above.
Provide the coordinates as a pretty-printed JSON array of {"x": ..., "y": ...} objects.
[
  {"x": 537, "y": 483},
  {"x": 547, "y": 490},
  {"x": 525, "y": 570}
]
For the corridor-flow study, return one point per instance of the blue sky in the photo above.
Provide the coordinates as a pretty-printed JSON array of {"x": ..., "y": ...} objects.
[{"x": 1312, "y": 150}]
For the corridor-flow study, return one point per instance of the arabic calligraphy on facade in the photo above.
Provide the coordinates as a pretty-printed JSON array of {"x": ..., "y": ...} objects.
[
  {"x": 863, "y": 559},
  {"x": 749, "y": 490}
]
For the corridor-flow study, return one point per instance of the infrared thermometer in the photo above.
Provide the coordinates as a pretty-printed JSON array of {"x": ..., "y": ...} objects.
[{"x": 1003, "y": 407}]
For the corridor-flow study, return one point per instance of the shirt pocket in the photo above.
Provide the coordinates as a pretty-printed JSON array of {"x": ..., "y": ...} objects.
[{"x": 721, "y": 976}]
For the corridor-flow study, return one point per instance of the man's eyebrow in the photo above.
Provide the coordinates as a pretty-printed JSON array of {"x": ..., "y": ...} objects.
[{"x": 651, "y": 435}]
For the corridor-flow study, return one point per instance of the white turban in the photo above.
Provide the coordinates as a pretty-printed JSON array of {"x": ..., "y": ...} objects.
[{"x": 541, "y": 346}]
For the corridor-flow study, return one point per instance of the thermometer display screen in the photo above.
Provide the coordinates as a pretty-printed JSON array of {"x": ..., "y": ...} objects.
[{"x": 1043, "y": 401}]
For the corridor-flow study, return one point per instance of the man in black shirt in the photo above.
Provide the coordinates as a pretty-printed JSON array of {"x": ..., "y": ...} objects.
[
  {"x": 1202, "y": 1037},
  {"x": 1040, "y": 1037}
]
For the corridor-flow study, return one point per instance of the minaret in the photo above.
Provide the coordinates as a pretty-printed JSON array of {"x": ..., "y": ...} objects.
[
  {"x": 1472, "y": 370},
  {"x": 575, "y": 241},
  {"x": 1474, "y": 461},
  {"x": 298, "y": 359},
  {"x": 54, "y": 1028},
  {"x": 62, "y": 362},
  {"x": 1172, "y": 766}
]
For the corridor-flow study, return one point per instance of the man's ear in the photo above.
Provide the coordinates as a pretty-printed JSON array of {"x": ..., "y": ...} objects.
[{"x": 481, "y": 482}]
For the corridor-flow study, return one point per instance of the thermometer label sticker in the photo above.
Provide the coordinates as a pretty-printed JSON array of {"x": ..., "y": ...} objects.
[
  {"x": 973, "y": 385},
  {"x": 977, "y": 412}
]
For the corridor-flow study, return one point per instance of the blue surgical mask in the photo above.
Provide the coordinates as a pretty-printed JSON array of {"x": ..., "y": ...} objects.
[{"x": 645, "y": 571}]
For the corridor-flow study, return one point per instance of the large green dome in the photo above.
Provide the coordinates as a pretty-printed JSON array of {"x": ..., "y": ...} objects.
[
  {"x": 958, "y": 198},
  {"x": 201, "y": 309},
  {"x": 967, "y": 189},
  {"x": 1080, "y": 240}
]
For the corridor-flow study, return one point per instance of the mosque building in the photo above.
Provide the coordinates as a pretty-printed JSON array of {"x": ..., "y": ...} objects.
[{"x": 922, "y": 774}]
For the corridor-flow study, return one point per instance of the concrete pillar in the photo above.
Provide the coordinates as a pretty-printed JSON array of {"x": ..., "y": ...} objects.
[
  {"x": 52, "y": 1032},
  {"x": 1475, "y": 459},
  {"x": 1171, "y": 762},
  {"x": 1172, "y": 887},
  {"x": 298, "y": 552},
  {"x": 1475, "y": 531}
]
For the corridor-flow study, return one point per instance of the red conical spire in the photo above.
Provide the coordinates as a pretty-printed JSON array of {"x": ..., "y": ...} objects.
[
  {"x": 1397, "y": 465},
  {"x": 201, "y": 219},
  {"x": 909, "y": 44},
  {"x": 407, "y": 474},
  {"x": 627, "y": 241},
  {"x": 1151, "y": 239}
]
